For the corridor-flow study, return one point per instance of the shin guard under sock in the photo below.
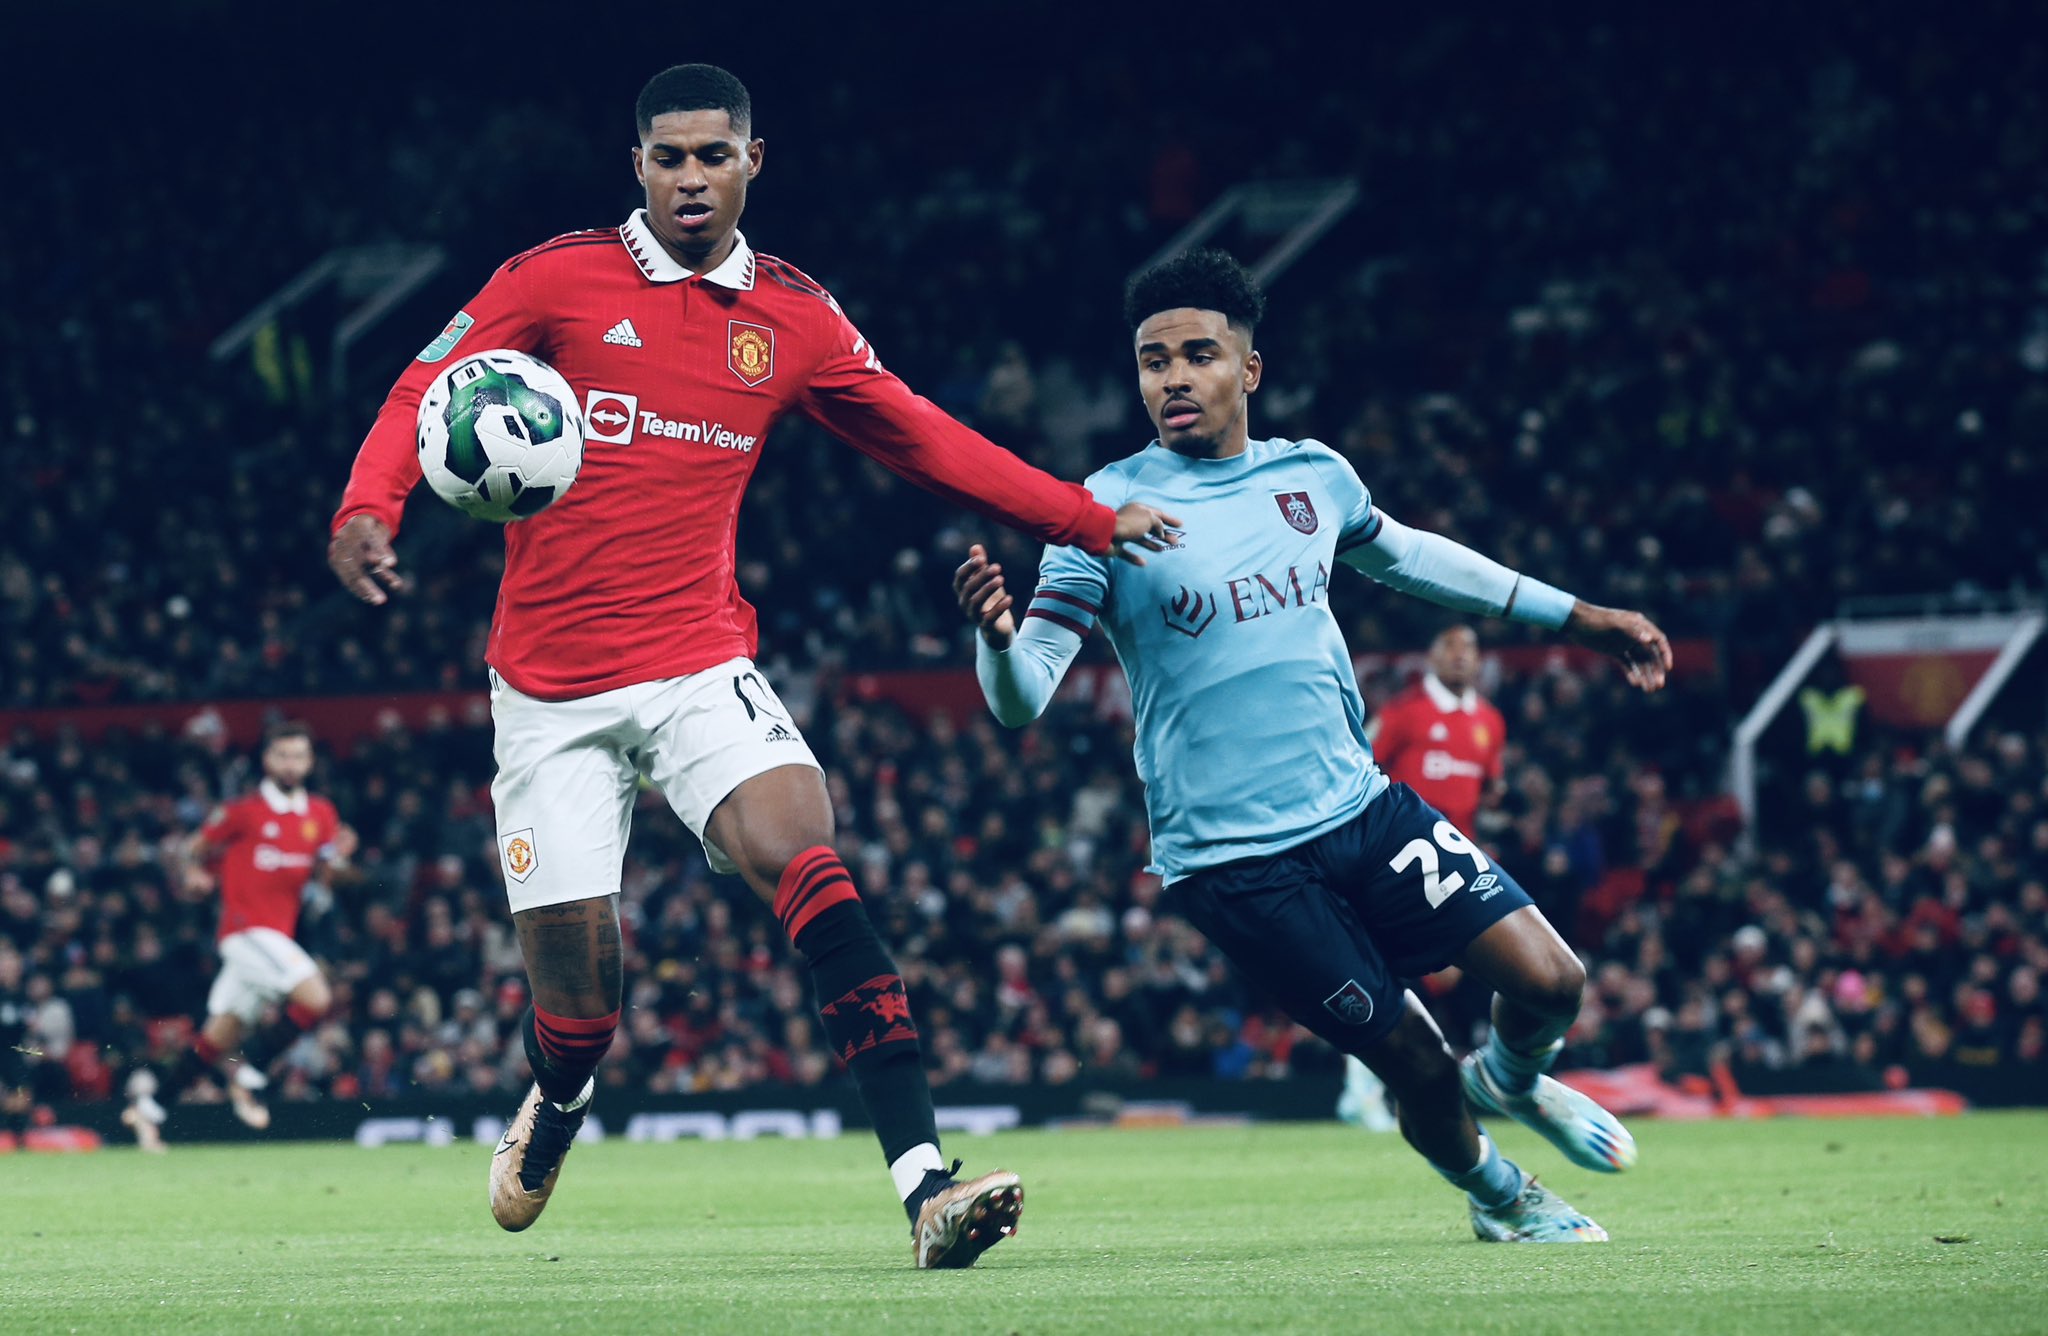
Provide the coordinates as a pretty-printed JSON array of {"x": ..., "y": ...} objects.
[
  {"x": 861, "y": 1001},
  {"x": 564, "y": 1050},
  {"x": 202, "y": 1059},
  {"x": 279, "y": 1035}
]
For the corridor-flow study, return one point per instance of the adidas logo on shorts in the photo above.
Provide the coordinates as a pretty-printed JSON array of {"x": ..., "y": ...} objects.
[
  {"x": 779, "y": 734},
  {"x": 624, "y": 335}
]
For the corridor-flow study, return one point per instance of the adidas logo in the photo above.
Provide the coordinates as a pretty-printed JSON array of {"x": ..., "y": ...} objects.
[
  {"x": 779, "y": 734},
  {"x": 623, "y": 334}
]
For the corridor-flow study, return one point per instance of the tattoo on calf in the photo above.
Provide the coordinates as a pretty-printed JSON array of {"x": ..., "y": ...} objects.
[
  {"x": 611, "y": 969},
  {"x": 573, "y": 956}
]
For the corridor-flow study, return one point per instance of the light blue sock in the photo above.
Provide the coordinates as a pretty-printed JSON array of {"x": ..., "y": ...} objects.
[
  {"x": 1493, "y": 1182},
  {"x": 1516, "y": 1072}
]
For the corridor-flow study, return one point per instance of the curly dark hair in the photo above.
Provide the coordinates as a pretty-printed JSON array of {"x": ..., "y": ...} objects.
[
  {"x": 1205, "y": 279},
  {"x": 694, "y": 88}
]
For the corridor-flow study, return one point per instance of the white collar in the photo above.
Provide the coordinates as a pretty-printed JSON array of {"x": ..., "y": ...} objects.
[
  {"x": 282, "y": 802},
  {"x": 736, "y": 271},
  {"x": 1445, "y": 700}
]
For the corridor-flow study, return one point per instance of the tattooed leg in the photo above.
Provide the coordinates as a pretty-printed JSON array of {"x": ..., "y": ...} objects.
[{"x": 575, "y": 963}]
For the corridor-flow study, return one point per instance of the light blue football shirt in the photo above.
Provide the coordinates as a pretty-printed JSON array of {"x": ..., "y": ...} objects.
[{"x": 1251, "y": 732}]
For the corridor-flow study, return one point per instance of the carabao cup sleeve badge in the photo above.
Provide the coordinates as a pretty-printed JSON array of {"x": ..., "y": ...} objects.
[{"x": 445, "y": 342}]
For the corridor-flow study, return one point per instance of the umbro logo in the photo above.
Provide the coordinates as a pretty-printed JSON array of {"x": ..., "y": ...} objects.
[
  {"x": 623, "y": 334},
  {"x": 779, "y": 734}
]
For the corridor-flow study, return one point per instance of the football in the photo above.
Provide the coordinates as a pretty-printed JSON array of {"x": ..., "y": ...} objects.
[{"x": 500, "y": 435}]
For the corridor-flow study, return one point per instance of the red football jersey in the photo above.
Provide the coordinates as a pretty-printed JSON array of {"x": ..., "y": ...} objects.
[
  {"x": 269, "y": 842},
  {"x": 1444, "y": 747},
  {"x": 630, "y": 577}
]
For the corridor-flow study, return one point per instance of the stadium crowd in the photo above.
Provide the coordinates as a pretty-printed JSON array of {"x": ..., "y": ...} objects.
[
  {"x": 1728, "y": 341},
  {"x": 1725, "y": 340},
  {"x": 1908, "y": 924}
]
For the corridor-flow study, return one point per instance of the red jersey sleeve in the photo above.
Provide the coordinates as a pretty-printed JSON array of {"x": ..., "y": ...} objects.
[
  {"x": 388, "y": 465},
  {"x": 222, "y": 826},
  {"x": 1497, "y": 741},
  {"x": 854, "y": 398}
]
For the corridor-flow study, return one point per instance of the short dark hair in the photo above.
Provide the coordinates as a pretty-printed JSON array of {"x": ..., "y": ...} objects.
[
  {"x": 694, "y": 88},
  {"x": 284, "y": 730},
  {"x": 1206, "y": 280}
]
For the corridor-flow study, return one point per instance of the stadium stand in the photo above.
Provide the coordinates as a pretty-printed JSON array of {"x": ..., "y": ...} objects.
[{"x": 1776, "y": 344}]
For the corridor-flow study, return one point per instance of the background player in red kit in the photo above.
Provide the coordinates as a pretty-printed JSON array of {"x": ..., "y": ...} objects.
[
  {"x": 620, "y": 641},
  {"x": 1443, "y": 739},
  {"x": 260, "y": 849},
  {"x": 1440, "y": 737}
]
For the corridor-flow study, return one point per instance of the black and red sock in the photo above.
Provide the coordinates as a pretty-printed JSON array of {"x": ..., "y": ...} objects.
[
  {"x": 279, "y": 1035},
  {"x": 201, "y": 1059},
  {"x": 564, "y": 1050},
  {"x": 861, "y": 1001}
]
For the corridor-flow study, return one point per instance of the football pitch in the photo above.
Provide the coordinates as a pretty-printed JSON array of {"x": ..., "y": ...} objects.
[{"x": 1792, "y": 1225}]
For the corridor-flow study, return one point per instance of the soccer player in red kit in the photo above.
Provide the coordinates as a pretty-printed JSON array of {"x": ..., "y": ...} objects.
[
  {"x": 1443, "y": 739},
  {"x": 261, "y": 849},
  {"x": 1440, "y": 737},
  {"x": 621, "y": 643}
]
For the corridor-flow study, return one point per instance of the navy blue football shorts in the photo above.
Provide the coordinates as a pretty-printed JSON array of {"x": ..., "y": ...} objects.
[{"x": 1331, "y": 928}]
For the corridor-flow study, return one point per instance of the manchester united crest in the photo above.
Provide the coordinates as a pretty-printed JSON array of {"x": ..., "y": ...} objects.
[
  {"x": 750, "y": 351},
  {"x": 520, "y": 857},
  {"x": 1297, "y": 510}
]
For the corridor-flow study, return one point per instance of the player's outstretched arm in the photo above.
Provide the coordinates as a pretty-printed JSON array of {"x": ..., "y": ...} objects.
[
  {"x": 337, "y": 857},
  {"x": 853, "y": 397},
  {"x": 188, "y": 859},
  {"x": 1018, "y": 670},
  {"x": 387, "y": 467},
  {"x": 361, "y": 557},
  {"x": 1630, "y": 638},
  {"x": 1431, "y": 566}
]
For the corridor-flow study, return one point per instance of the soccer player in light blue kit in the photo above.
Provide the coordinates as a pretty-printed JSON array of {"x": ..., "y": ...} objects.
[{"x": 1275, "y": 832}]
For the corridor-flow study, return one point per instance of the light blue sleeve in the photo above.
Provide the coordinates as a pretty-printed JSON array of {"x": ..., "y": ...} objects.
[
  {"x": 1354, "y": 499},
  {"x": 1018, "y": 683},
  {"x": 1429, "y": 565}
]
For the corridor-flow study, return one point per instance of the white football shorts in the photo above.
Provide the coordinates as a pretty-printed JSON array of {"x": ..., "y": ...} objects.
[
  {"x": 257, "y": 966},
  {"x": 568, "y": 771}
]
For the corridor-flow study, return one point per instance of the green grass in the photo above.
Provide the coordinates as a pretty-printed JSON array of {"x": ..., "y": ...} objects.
[{"x": 1793, "y": 1226}]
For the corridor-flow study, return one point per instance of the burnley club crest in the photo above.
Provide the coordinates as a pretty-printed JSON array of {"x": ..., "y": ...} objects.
[{"x": 1297, "y": 510}]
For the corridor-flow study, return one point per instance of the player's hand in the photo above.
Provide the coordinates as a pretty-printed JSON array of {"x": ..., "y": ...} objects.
[
  {"x": 198, "y": 881},
  {"x": 1628, "y": 637},
  {"x": 344, "y": 843},
  {"x": 361, "y": 558},
  {"x": 978, "y": 584},
  {"x": 1140, "y": 526}
]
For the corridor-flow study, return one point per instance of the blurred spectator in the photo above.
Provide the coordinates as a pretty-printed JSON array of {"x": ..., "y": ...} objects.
[
  {"x": 1045, "y": 969},
  {"x": 1724, "y": 340}
]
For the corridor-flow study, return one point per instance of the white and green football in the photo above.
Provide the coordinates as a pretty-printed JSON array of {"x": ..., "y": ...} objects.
[{"x": 500, "y": 435}]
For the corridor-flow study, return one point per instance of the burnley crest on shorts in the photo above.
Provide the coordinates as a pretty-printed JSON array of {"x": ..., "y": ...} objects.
[
  {"x": 1350, "y": 1004},
  {"x": 1297, "y": 510}
]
